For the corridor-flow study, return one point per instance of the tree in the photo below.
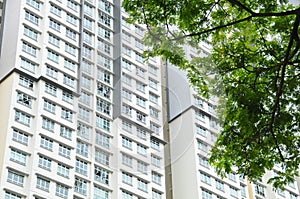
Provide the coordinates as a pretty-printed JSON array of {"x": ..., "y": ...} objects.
[{"x": 254, "y": 58}]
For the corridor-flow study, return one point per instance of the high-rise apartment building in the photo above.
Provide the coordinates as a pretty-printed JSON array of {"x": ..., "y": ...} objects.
[
  {"x": 83, "y": 113},
  {"x": 191, "y": 133},
  {"x": 81, "y": 110}
]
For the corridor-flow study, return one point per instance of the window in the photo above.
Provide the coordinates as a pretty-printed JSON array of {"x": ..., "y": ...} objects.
[
  {"x": 66, "y": 114},
  {"x": 152, "y": 69},
  {"x": 103, "y": 90},
  {"x": 206, "y": 194},
  {"x": 22, "y": 118},
  {"x": 88, "y": 9},
  {"x": 142, "y": 167},
  {"x": 48, "y": 124},
  {"x": 153, "y": 98},
  {"x": 55, "y": 10},
  {"x": 80, "y": 186},
  {"x": 156, "y": 195},
  {"x": 61, "y": 191},
  {"x": 139, "y": 44},
  {"x": 140, "y": 72},
  {"x": 15, "y": 178},
  {"x": 86, "y": 82},
  {"x": 139, "y": 58},
  {"x": 203, "y": 161},
  {"x": 126, "y": 195},
  {"x": 9, "y": 195},
  {"x": 63, "y": 170},
  {"x": 88, "y": 23},
  {"x": 72, "y": 5},
  {"x": 104, "y": 5},
  {"x": 201, "y": 131},
  {"x": 102, "y": 123},
  {"x": 71, "y": 34},
  {"x": 87, "y": 67},
  {"x": 233, "y": 192},
  {"x": 51, "y": 72},
  {"x": 64, "y": 151},
  {"x": 102, "y": 157},
  {"x": 126, "y": 178},
  {"x": 205, "y": 178},
  {"x": 155, "y": 161},
  {"x": 104, "y": 18},
  {"x": 154, "y": 127},
  {"x": 140, "y": 117},
  {"x": 67, "y": 97},
  {"x": 202, "y": 146},
  {"x": 42, "y": 184},
  {"x": 104, "y": 61},
  {"x": 104, "y": 33},
  {"x": 140, "y": 101},
  {"x": 126, "y": 160},
  {"x": 65, "y": 132},
  {"x": 140, "y": 86},
  {"x": 141, "y": 150},
  {"x": 32, "y": 17},
  {"x": 141, "y": 133},
  {"x": 127, "y": 143},
  {"x": 243, "y": 191},
  {"x": 100, "y": 193},
  {"x": 103, "y": 47},
  {"x": 153, "y": 112},
  {"x": 156, "y": 178},
  {"x": 104, "y": 76},
  {"x": 30, "y": 33},
  {"x": 125, "y": 23},
  {"x": 259, "y": 189},
  {"x": 102, "y": 140},
  {"x": 49, "y": 106},
  {"x": 44, "y": 163},
  {"x": 53, "y": 56},
  {"x": 219, "y": 185},
  {"x": 198, "y": 102},
  {"x": 142, "y": 185},
  {"x": 153, "y": 84},
  {"x": 46, "y": 143},
  {"x": 154, "y": 144},
  {"x": 85, "y": 98},
  {"x": 293, "y": 196},
  {"x": 127, "y": 110},
  {"x": 139, "y": 30},
  {"x": 126, "y": 79},
  {"x": 18, "y": 156},
  {"x": 232, "y": 177},
  {"x": 82, "y": 148},
  {"x": 28, "y": 65},
  {"x": 87, "y": 37},
  {"x": 71, "y": 19},
  {"x": 69, "y": 81},
  {"x": 126, "y": 64},
  {"x": 70, "y": 49},
  {"x": 83, "y": 130},
  {"x": 84, "y": 114},
  {"x": 126, "y": 94},
  {"x": 54, "y": 25},
  {"x": 29, "y": 49},
  {"x": 20, "y": 137},
  {"x": 24, "y": 99},
  {"x": 35, "y": 4},
  {"x": 200, "y": 116},
  {"x": 27, "y": 83},
  {"x": 126, "y": 126},
  {"x": 126, "y": 36},
  {"x": 101, "y": 175},
  {"x": 81, "y": 167}
]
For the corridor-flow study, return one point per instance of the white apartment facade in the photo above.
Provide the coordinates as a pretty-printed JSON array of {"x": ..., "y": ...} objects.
[
  {"x": 192, "y": 132},
  {"x": 69, "y": 129}
]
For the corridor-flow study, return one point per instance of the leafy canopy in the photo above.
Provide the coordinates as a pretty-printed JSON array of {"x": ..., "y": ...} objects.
[{"x": 254, "y": 63}]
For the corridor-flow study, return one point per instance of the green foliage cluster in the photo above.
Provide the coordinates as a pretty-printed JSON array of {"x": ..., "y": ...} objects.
[{"x": 253, "y": 68}]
